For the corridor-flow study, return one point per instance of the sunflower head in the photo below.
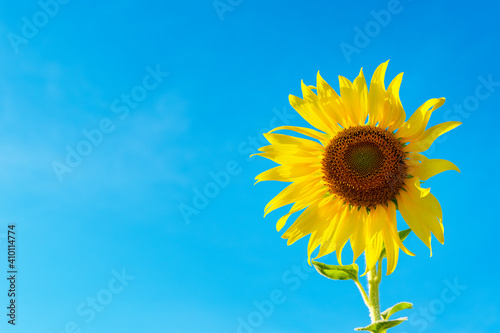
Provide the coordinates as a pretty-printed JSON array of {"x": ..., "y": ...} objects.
[
  {"x": 359, "y": 164},
  {"x": 364, "y": 166}
]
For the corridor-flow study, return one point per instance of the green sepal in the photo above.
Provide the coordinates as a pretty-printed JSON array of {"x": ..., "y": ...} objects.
[
  {"x": 398, "y": 307},
  {"x": 337, "y": 272},
  {"x": 395, "y": 203},
  {"x": 382, "y": 325},
  {"x": 402, "y": 235},
  {"x": 327, "y": 194}
]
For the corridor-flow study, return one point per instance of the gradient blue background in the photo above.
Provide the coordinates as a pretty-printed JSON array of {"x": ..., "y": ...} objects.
[{"x": 120, "y": 207}]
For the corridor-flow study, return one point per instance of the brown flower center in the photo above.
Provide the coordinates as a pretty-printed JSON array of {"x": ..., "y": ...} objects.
[{"x": 364, "y": 166}]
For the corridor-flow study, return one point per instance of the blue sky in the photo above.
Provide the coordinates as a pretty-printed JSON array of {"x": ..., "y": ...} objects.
[{"x": 174, "y": 94}]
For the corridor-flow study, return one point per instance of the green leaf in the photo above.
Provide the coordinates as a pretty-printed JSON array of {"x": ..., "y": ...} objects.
[
  {"x": 402, "y": 235},
  {"x": 337, "y": 272},
  {"x": 398, "y": 307},
  {"x": 381, "y": 325}
]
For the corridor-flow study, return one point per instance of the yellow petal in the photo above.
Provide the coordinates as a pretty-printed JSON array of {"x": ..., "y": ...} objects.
[
  {"x": 373, "y": 251},
  {"x": 425, "y": 141},
  {"x": 306, "y": 200},
  {"x": 292, "y": 193},
  {"x": 287, "y": 155},
  {"x": 396, "y": 111},
  {"x": 338, "y": 251},
  {"x": 362, "y": 93},
  {"x": 328, "y": 245},
  {"x": 422, "y": 212},
  {"x": 392, "y": 250},
  {"x": 431, "y": 167},
  {"x": 350, "y": 99},
  {"x": 345, "y": 230},
  {"x": 331, "y": 104},
  {"x": 319, "y": 236},
  {"x": 311, "y": 219},
  {"x": 407, "y": 208},
  {"x": 301, "y": 227},
  {"x": 282, "y": 139},
  {"x": 309, "y": 113},
  {"x": 392, "y": 226},
  {"x": 314, "y": 242},
  {"x": 289, "y": 172},
  {"x": 358, "y": 239},
  {"x": 376, "y": 95},
  {"x": 311, "y": 98},
  {"x": 322, "y": 137},
  {"x": 296, "y": 150},
  {"x": 415, "y": 126},
  {"x": 431, "y": 203},
  {"x": 378, "y": 218},
  {"x": 282, "y": 220}
]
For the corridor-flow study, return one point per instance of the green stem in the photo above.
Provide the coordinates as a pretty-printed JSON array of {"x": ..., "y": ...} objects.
[
  {"x": 374, "y": 279},
  {"x": 366, "y": 299},
  {"x": 372, "y": 298}
]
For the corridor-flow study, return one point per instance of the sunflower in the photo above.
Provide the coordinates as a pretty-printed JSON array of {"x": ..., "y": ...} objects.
[{"x": 360, "y": 164}]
